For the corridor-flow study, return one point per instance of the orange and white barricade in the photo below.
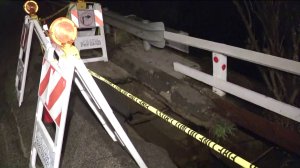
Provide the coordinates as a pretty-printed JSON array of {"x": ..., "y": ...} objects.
[
  {"x": 54, "y": 93},
  {"x": 88, "y": 19}
]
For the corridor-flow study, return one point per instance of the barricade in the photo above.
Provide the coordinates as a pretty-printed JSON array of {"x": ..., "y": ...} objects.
[
  {"x": 54, "y": 93},
  {"x": 88, "y": 18}
]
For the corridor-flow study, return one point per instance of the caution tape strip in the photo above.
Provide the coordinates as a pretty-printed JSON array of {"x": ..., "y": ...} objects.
[{"x": 218, "y": 148}]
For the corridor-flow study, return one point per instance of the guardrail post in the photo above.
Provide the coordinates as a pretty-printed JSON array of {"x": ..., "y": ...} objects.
[
  {"x": 146, "y": 44},
  {"x": 219, "y": 70}
]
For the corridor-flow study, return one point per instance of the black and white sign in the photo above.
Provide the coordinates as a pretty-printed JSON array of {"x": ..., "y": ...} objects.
[{"x": 88, "y": 42}]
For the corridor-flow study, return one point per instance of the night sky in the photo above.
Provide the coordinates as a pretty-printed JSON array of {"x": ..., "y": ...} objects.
[
  {"x": 217, "y": 21},
  {"x": 212, "y": 20}
]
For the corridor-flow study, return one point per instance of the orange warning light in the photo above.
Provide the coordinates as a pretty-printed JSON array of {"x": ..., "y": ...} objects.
[
  {"x": 31, "y": 7},
  {"x": 63, "y": 31}
]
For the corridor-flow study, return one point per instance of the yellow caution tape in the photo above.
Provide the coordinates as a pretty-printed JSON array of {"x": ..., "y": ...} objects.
[{"x": 218, "y": 148}]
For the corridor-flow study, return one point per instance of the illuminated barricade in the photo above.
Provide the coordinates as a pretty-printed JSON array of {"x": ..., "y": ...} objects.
[{"x": 54, "y": 92}]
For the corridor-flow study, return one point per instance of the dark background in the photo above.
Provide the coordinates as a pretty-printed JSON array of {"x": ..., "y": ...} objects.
[
  {"x": 217, "y": 21},
  {"x": 212, "y": 20}
]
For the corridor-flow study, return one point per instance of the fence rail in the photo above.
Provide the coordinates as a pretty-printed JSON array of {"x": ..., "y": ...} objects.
[
  {"x": 269, "y": 103},
  {"x": 239, "y": 53},
  {"x": 218, "y": 79}
]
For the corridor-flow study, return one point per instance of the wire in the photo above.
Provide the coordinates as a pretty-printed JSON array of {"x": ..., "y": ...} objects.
[{"x": 56, "y": 13}]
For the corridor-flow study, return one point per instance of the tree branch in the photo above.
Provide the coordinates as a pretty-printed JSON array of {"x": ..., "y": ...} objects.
[{"x": 247, "y": 25}]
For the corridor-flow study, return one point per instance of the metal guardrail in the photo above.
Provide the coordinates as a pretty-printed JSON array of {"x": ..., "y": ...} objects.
[
  {"x": 156, "y": 35},
  {"x": 152, "y": 32}
]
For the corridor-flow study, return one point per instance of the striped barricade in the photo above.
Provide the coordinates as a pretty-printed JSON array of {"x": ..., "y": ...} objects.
[
  {"x": 89, "y": 22},
  {"x": 54, "y": 93},
  {"x": 53, "y": 96}
]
